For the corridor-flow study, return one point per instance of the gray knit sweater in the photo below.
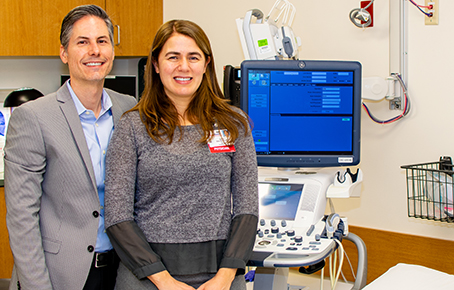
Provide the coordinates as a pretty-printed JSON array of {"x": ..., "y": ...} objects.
[{"x": 179, "y": 197}]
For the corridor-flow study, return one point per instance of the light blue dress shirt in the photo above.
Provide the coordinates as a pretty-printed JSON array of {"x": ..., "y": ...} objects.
[{"x": 97, "y": 134}]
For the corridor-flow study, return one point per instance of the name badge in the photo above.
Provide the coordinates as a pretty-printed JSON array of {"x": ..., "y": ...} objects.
[{"x": 218, "y": 142}]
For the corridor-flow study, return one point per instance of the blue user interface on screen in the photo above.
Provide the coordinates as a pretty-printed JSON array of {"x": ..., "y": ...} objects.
[{"x": 301, "y": 111}]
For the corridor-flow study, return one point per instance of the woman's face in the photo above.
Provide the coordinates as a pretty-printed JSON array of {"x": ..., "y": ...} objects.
[{"x": 181, "y": 65}]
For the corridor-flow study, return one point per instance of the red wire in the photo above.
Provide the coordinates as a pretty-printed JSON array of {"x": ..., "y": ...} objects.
[
  {"x": 422, "y": 6},
  {"x": 394, "y": 119}
]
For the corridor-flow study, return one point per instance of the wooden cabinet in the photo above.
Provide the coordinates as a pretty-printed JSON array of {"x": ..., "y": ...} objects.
[
  {"x": 6, "y": 257},
  {"x": 136, "y": 23},
  {"x": 32, "y": 28}
]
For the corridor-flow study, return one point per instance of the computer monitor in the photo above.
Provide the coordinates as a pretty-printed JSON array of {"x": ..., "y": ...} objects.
[{"x": 304, "y": 113}]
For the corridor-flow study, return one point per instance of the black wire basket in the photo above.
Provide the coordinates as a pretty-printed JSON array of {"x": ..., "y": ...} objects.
[{"x": 430, "y": 190}]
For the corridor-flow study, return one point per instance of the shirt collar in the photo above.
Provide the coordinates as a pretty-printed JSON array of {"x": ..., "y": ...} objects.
[{"x": 106, "y": 102}]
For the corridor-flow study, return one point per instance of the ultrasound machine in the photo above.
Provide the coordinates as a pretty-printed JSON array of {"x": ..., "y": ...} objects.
[{"x": 305, "y": 119}]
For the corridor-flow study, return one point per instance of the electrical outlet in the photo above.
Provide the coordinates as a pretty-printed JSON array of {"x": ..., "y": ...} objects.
[{"x": 434, "y": 19}]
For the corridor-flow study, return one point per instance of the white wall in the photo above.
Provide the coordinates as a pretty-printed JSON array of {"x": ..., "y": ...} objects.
[{"x": 327, "y": 33}]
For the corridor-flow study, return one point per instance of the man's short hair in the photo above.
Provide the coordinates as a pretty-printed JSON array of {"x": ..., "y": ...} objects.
[{"x": 78, "y": 13}]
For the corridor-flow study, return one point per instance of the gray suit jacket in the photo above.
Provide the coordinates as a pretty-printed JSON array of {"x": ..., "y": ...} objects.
[{"x": 50, "y": 192}]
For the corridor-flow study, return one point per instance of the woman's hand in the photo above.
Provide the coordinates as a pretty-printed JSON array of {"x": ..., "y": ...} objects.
[
  {"x": 221, "y": 281},
  {"x": 164, "y": 281}
]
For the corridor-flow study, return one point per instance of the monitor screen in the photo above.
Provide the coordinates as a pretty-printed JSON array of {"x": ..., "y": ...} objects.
[
  {"x": 304, "y": 113},
  {"x": 279, "y": 201}
]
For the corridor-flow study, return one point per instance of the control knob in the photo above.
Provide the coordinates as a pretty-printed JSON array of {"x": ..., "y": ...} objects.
[{"x": 290, "y": 233}]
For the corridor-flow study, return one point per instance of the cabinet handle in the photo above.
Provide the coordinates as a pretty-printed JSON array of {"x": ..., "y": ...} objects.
[{"x": 118, "y": 38}]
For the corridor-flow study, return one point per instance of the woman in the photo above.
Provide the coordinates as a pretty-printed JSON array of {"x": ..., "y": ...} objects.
[{"x": 181, "y": 176}]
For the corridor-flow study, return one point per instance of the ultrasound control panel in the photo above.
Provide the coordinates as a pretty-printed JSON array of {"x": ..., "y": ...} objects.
[
  {"x": 276, "y": 236},
  {"x": 291, "y": 225}
]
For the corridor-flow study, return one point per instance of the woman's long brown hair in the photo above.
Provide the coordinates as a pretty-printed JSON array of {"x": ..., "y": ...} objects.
[{"x": 207, "y": 107}]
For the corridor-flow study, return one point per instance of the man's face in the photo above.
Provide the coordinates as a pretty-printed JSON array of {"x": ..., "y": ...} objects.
[{"x": 90, "y": 53}]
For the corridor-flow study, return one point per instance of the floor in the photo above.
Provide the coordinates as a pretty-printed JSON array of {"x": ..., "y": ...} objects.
[
  {"x": 298, "y": 281},
  {"x": 4, "y": 284}
]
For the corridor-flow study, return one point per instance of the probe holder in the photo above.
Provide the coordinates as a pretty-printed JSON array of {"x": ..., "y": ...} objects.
[{"x": 346, "y": 185}]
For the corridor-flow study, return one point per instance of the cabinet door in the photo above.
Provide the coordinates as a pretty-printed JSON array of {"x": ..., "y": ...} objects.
[
  {"x": 136, "y": 23},
  {"x": 32, "y": 28},
  {"x": 6, "y": 258}
]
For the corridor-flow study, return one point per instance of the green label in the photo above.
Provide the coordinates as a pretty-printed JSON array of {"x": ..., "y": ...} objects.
[{"x": 262, "y": 42}]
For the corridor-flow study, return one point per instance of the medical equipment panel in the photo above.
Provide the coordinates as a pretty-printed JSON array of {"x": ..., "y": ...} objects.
[{"x": 291, "y": 218}]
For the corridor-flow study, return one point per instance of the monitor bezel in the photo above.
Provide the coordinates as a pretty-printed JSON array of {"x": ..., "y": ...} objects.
[{"x": 318, "y": 159}]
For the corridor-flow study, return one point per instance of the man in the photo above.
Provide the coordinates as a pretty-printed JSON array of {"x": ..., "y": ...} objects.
[{"x": 54, "y": 167}]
